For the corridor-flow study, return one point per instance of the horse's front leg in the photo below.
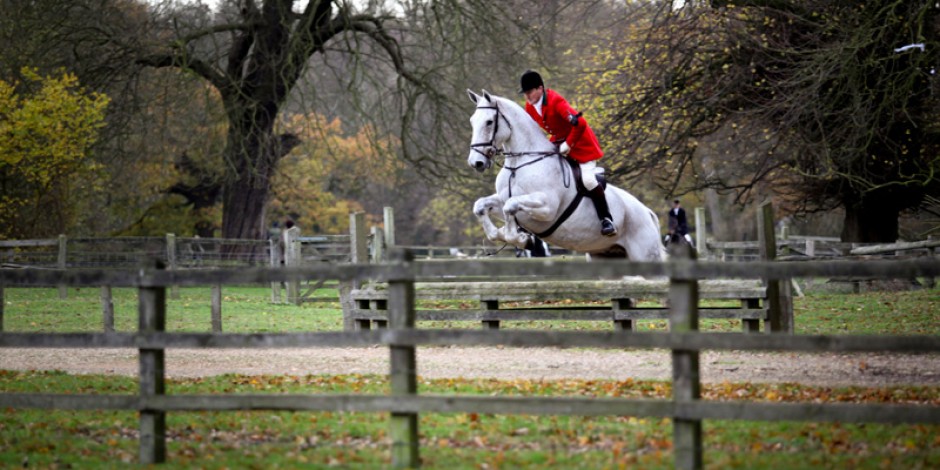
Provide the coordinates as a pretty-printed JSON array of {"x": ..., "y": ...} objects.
[
  {"x": 537, "y": 206},
  {"x": 482, "y": 208}
]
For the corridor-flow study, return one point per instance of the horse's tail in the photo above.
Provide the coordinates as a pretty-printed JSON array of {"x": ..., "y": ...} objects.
[
  {"x": 653, "y": 216},
  {"x": 663, "y": 254}
]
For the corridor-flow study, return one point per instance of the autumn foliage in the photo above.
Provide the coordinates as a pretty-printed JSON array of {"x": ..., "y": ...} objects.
[
  {"x": 323, "y": 179},
  {"x": 47, "y": 126}
]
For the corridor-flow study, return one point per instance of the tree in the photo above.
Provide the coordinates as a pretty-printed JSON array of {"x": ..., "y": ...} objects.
[
  {"x": 812, "y": 94},
  {"x": 94, "y": 41},
  {"x": 46, "y": 131},
  {"x": 267, "y": 54}
]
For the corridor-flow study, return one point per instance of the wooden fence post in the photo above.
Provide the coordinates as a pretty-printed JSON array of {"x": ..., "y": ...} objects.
[
  {"x": 686, "y": 384},
  {"x": 700, "y": 232},
  {"x": 618, "y": 305},
  {"x": 275, "y": 263},
  {"x": 216, "y": 308},
  {"x": 292, "y": 258},
  {"x": 107, "y": 309},
  {"x": 389, "y": 223},
  {"x": 171, "y": 262},
  {"x": 490, "y": 304},
  {"x": 357, "y": 254},
  {"x": 930, "y": 281},
  {"x": 62, "y": 263},
  {"x": 152, "y": 319},
  {"x": 359, "y": 248},
  {"x": 779, "y": 308},
  {"x": 403, "y": 378},
  {"x": 378, "y": 245}
]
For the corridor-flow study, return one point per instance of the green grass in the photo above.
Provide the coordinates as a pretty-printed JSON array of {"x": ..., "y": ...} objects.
[
  {"x": 894, "y": 313},
  {"x": 244, "y": 310},
  {"x": 107, "y": 439},
  {"x": 249, "y": 310},
  {"x": 92, "y": 439}
]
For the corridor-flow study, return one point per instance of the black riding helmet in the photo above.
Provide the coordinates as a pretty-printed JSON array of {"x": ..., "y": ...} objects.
[{"x": 530, "y": 79}]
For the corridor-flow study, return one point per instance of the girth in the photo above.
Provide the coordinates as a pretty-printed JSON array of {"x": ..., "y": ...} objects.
[{"x": 581, "y": 191}]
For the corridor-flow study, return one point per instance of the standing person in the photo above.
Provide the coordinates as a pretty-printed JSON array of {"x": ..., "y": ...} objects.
[
  {"x": 678, "y": 224},
  {"x": 573, "y": 136}
]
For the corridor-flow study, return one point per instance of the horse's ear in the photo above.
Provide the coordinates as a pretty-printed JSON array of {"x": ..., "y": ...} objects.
[
  {"x": 487, "y": 96},
  {"x": 473, "y": 96}
]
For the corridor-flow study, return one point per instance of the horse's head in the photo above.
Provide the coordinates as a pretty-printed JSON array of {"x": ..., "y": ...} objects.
[{"x": 488, "y": 135}]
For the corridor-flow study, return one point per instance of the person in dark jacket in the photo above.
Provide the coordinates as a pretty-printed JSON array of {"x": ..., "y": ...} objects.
[{"x": 678, "y": 223}]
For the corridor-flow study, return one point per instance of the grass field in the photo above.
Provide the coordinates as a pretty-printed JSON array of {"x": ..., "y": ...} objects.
[
  {"x": 249, "y": 310},
  {"x": 96, "y": 439}
]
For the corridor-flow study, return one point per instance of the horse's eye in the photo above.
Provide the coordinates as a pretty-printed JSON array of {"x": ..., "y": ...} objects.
[{"x": 489, "y": 123}]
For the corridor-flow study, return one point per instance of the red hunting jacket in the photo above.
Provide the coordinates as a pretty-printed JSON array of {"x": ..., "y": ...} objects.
[{"x": 555, "y": 120}]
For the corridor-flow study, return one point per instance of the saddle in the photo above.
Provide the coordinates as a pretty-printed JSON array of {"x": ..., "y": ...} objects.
[
  {"x": 579, "y": 183},
  {"x": 581, "y": 192}
]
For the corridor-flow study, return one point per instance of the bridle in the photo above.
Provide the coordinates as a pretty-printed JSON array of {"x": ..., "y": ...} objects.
[{"x": 492, "y": 150}]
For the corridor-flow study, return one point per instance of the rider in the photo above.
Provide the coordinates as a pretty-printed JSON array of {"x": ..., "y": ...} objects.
[
  {"x": 678, "y": 223},
  {"x": 574, "y": 138}
]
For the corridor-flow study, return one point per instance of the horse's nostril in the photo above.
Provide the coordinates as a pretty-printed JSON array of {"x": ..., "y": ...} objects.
[{"x": 478, "y": 165}]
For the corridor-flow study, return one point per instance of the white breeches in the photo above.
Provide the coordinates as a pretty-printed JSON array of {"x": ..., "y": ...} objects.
[{"x": 587, "y": 174}]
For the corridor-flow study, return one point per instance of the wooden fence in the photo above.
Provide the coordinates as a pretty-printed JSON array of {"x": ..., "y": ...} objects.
[
  {"x": 176, "y": 252},
  {"x": 800, "y": 248},
  {"x": 194, "y": 252},
  {"x": 686, "y": 409}
]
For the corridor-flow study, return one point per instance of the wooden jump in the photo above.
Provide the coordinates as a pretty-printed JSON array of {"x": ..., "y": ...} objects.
[
  {"x": 365, "y": 305},
  {"x": 368, "y": 304}
]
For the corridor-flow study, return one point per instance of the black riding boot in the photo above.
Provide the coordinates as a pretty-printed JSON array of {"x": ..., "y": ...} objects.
[{"x": 603, "y": 212}]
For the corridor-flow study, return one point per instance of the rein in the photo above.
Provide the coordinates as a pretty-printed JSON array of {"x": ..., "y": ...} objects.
[{"x": 542, "y": 156}]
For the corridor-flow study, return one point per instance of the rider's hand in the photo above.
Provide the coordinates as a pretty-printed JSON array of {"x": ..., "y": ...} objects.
[
  {"x": 564, "y": 149},
  {"x": 573, "y": 118}
]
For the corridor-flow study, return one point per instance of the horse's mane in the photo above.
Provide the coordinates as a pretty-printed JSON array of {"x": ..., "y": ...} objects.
[{"x": 521, "y": 121}]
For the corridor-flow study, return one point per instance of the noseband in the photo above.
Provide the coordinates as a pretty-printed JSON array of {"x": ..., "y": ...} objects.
[{"x": 491, "y": 144}]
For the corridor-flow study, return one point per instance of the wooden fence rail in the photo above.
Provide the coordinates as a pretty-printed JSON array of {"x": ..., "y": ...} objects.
[
  {"x": 686, "y": 408},
  {"x": 176, "y": 252}
]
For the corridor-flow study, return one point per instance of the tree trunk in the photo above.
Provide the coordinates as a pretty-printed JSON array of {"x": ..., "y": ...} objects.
[
  {"x": 872, "y": 218},
  {"x": 252, "y": 155},
  {"x": 244, "y": 209}
]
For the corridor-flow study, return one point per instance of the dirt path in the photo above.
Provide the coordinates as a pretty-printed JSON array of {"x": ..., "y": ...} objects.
[{"x": 501, "y": 363}]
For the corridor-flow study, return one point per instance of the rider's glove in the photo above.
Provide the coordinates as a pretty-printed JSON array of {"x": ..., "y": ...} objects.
[
  {"x": 573, "y": 118},
  {"x": 564, "y": 149}
]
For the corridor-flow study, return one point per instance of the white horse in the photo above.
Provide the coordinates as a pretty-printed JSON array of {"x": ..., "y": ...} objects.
[{"x": 535, "y": 188}]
